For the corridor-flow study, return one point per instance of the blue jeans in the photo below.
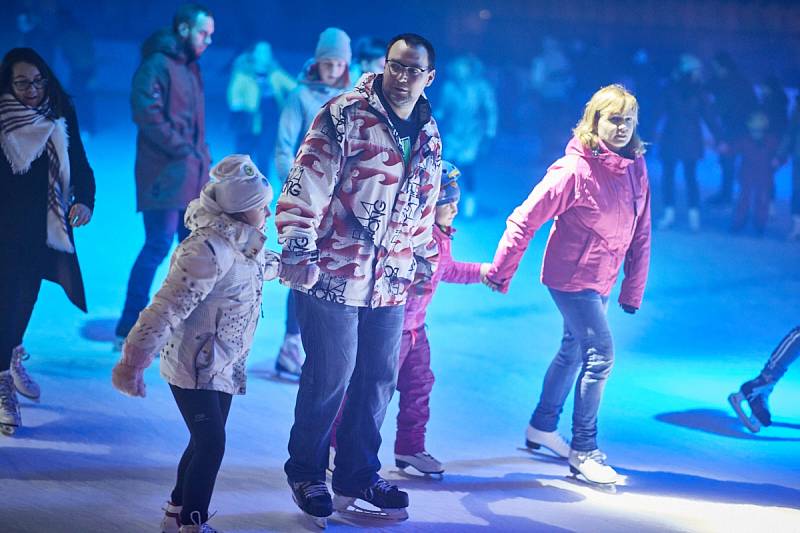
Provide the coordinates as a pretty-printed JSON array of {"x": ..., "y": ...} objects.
[
  {"x": 782, "y": 357},
  {"x": 160, "y": 229},
  {"x": 344, "y": 345},
  {"x": 292, "y": 326},
  {"x": 587, "y": 351}
]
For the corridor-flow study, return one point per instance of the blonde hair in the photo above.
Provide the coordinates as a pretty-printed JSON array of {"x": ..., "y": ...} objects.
[{"x": 609, "y": 99}]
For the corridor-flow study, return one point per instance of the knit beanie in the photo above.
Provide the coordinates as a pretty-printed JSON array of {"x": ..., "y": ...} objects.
[
  {"x": 238, "y": 185},
  {"x": 333, "y": 44},
  {"x": 449, "y": 191}
]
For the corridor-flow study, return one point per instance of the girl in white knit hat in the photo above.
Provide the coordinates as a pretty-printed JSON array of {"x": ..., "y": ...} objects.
[{"x": 202, "y": 322}]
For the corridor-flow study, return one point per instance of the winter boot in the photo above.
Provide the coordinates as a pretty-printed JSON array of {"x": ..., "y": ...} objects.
[
  {"x": 667, "y": 219},
  {"x": 22, "y": 380},
  {"x": 552, "y": 440},
  {"x": 291, "y": 356},
  {"x": 10, "y": 418}
]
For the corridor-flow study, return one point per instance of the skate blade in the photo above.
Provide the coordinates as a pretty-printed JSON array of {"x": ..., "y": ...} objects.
[
  {"x": 403, "y": 466},
  {"x": 349, "y": 507},
  {"x": 579, "y": 479},
  {"x": 750, "y": 422}
]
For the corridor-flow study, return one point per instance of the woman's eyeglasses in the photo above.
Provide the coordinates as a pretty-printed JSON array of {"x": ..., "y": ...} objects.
[{"x": 24, "y": 85}]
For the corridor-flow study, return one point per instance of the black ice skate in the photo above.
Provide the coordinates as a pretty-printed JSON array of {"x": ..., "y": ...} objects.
[
  {"x": 313, "y": 498},
  {"x": 387, "y": 502},
  {"x": 755, "y": 392}
]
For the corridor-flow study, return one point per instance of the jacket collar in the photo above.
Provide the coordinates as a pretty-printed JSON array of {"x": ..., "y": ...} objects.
[
  {"x": 244, "y": 237},
  {"x": 614, "y": 162}
]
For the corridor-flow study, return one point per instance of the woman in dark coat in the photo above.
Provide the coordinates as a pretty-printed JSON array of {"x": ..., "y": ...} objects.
[{"x": 48, "y": 190}]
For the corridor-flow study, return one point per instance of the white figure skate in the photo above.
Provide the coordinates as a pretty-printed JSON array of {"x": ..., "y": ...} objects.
[
  {"x": 552, "y": 440},
  {"x": 171, "y": 523},
  {"x": 422, "y": 462},
  {"x": 22, "y": 380},
  {"x": 591, "y": 468},
  {"x": 291, "y": 357}
]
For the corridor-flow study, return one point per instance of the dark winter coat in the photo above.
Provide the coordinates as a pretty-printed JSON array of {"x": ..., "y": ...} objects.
[
  {"x": 168, "y": 106},
  {"x": 684, "y": 108},
  {"x": 23, "y": 214},
  {"x": 734, "y": 101}
]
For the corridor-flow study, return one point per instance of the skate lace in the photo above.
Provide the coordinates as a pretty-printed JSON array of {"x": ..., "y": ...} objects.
[
  {"x": 8, "y": 393},
  {"x": 312, "y": 489},
  {"x": 19, "y": 370},
  {"x": 196, "y": 518},
  {"x": 381, "y": 486},
  {"x": 597, "y": 456}
]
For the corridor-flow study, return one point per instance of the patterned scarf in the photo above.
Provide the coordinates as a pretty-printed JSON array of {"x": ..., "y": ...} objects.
[{"x": 25, "y": 133}]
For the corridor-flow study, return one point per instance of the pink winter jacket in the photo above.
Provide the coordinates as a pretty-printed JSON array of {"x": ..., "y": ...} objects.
[
  {"x": 601, "y": 205},
  {"x": 448, "y": 270}
]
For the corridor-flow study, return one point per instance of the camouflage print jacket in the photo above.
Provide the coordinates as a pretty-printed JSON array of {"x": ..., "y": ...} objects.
[{"x": 352, "y": 207}]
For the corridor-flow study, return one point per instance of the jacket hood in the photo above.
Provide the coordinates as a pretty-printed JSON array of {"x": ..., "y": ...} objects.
[
  {"x": 612, "y": 161},
  {"x": 164, "y": 41},
  {"x": 204, "y": 213},
  {"x": 366, "y": 88}
]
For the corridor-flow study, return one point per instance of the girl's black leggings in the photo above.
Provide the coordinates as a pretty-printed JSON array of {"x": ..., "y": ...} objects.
[{"x": 205, "y": 413}]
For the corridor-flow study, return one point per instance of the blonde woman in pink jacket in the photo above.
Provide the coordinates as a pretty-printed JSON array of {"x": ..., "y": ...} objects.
[{"x": 599, "y": 197}]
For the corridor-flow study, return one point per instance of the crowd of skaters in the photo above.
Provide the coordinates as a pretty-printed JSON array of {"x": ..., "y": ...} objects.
[{"x": 362, "y": 257}]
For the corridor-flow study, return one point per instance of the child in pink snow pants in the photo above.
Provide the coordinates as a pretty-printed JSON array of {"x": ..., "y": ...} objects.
[{"x": 415, "y": 378}]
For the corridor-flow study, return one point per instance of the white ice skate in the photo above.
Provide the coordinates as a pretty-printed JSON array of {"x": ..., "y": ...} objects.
[
  {"x": 171, "y": 523},
  {"x": 422, "y": 462},
  {"x": 22, "y": 380},
  {"x": 10, "y": 418},
  {"x": 380, "y": 502},
  {"x": 291, "y": 357},
  {"x": 536, "y": 439},
  {"x": 591, "y": 467},
  {"x": 667, "y": 220}
]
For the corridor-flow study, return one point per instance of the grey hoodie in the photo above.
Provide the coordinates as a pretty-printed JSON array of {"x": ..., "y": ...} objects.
[{"x": 302, "y": 106}]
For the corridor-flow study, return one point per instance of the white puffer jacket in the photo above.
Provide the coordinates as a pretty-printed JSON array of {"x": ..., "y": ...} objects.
[{"x": 203, "y": 318}]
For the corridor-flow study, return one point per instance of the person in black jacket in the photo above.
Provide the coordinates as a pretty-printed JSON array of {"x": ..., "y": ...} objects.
[
  {"x": 49, "y": 191},
  {"x": 172, "y": 156}
]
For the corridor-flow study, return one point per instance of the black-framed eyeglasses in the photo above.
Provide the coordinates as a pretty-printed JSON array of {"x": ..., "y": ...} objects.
[
  {"x": 396, "y": 69},
  {"x": 23, "y": 85}
]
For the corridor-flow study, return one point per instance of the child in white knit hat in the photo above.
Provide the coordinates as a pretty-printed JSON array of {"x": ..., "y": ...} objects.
[{"x": 202, "y": 322}]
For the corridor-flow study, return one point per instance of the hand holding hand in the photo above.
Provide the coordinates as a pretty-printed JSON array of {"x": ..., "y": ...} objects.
[
  {"x": 273, "y": 265},
  {"x": 485, "y": 267},
  {"x": 79, "y": 215},
  {"x": 304, "y": 275}
]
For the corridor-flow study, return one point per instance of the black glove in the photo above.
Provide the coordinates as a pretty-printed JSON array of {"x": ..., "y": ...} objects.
[{"x": 628, "y": 308}]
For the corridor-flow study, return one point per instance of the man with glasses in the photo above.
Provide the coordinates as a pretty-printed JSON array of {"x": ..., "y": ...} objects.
[
  {"x": 172, "y": 156},
  {"x": 355, "y": 222}
]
